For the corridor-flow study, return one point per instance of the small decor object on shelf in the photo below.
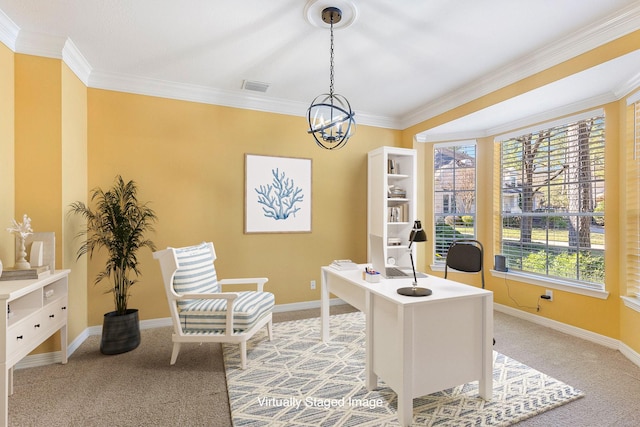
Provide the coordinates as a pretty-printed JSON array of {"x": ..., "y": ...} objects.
[
  {"x": 24, "y": 273},
  {"x": 21, "y": 231}
]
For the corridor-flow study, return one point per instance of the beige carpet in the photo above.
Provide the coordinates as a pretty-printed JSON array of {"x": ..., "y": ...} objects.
[
  {"x": 141, "y": 389},
  {"x": 297, "y": 380}
]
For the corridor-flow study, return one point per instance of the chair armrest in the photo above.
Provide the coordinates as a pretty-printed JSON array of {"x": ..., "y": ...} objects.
[{"x": 259, "y": 281}]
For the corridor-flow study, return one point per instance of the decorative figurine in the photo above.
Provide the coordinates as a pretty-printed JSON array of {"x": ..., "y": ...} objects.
[{"x": 21, "y": 231}]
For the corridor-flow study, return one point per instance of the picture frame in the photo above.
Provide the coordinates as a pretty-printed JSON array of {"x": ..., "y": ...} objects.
[{"x": 277, "y": 194}]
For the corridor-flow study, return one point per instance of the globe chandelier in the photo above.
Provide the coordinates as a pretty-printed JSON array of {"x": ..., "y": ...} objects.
[{"x": 330, "y": 116}]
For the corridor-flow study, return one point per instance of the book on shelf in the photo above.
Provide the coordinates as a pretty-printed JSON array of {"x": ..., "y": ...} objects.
[
  {"x": 29, "y": 273},
  {"x": 398, "y": 213},
  {"x": 393, "y": 167},
  {"x": 344, "y": 264}
]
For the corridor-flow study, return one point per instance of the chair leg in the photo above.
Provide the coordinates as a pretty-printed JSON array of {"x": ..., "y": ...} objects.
[
  {"x": 174, "y": 353},
  {"x": 243, "y": 354},
  {"x": 270, "y": 330}
]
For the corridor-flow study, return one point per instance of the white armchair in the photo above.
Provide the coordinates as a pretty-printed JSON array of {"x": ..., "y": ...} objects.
[{"x": 200, "y": 311}]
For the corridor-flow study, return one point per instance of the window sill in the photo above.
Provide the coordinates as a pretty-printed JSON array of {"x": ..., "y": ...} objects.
[
  {"x": 551, "y": 283},
  {"x": 632, "y": 302}
]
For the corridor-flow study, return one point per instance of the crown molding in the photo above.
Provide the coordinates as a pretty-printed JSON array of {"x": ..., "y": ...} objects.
[
  {"x": 8, "y": 31},
  {"x": 545, "y": 116},
  {"x": 72, "y": 56},
  {"x": 207, "y": 95},
  {"x": 628, "y": 87},
  {"x": 40, "y": 44},
  {"x": 608, "y": 29}
]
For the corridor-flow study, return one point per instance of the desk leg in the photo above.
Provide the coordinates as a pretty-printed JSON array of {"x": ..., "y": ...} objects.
[
  {"x": 371, "y": 379},
  {"x": 485, "y": 384},
  {"x": 405, "y": 395},
  {"x": 324, "y": 306}
]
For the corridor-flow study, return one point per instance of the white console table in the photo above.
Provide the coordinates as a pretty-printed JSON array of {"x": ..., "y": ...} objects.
[{"x": 38, "y": 308}]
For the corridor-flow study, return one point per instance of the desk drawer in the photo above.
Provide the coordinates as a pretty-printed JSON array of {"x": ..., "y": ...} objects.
[
  {"x": 22, "y": 337},
  {"x": 54, "y": 314}
]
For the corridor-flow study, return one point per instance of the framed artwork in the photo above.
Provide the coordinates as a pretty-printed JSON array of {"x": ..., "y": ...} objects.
[{"x": 277, "y": 194}]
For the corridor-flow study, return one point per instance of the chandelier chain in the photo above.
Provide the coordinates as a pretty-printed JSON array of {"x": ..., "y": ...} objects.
[{"x": 331, "y": 61}]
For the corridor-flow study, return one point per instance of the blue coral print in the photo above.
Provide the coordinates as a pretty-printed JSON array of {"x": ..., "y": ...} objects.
[{"x": 279, "y": 198}]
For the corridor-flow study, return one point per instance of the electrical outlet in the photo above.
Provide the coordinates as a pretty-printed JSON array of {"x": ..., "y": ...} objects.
[
  {"x": 313, "y": 284},
  {"x": 549, "y": 293}
]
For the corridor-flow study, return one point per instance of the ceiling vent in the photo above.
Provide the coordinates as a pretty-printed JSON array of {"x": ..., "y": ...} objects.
[{"x": 255, "y": 86}]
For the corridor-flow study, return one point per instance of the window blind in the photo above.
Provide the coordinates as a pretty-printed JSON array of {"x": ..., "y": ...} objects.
[
  {"x": 633, "y": 201},
  {"x": 552, "y": 200},
  {"x": 454, "y": 195}
]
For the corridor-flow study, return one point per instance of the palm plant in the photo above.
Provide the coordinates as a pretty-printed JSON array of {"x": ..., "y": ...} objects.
[{"x": 118, "y": 224}]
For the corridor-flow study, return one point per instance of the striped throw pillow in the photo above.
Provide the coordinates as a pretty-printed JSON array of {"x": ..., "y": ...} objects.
[{"x": 196, "y": 272}]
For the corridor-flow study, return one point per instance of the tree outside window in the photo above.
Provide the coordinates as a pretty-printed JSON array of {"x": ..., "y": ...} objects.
[{"x": 552, "y": 201}]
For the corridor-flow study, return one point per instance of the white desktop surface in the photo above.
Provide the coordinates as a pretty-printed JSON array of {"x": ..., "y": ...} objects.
[{"x": 418, "y": 345}]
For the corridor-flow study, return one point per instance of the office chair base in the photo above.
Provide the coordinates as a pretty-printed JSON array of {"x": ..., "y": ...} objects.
[{"x": 415, "y": 291}]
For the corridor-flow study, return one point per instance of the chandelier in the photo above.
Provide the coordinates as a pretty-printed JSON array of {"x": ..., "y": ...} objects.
[{"x": 330, "y": 116}]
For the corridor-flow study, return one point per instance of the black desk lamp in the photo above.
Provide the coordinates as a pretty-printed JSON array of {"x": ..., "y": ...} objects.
[{"x": 417, "y": 235}]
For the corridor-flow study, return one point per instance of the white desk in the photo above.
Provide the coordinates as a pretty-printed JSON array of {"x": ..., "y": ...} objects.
[{"x": 418, "y": 345}]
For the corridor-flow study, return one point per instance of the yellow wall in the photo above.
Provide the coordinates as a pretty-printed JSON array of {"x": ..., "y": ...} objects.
[
  {"x": 7, "y": 181},
  {"x": 188, "y": 160},
  {"x": 38, "y": 143},
  {"x": 74, "y": 188},
  {"x": 38, "y": 148},
  {"x": 593, "y": 314},
  {"x": 51, "y": 165}
]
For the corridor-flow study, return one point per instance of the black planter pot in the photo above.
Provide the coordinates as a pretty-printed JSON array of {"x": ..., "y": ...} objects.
[{"x": 120, "y": 333}]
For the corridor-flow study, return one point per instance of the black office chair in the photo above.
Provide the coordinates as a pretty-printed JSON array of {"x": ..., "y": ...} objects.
[{"x": 466, "y": 255}]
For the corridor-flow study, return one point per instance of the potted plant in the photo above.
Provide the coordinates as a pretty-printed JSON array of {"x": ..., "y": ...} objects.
[{"x": 118, "y": 223}]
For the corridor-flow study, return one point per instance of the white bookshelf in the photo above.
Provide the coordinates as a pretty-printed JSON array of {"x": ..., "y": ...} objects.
[{"x": 391, "y": 198}]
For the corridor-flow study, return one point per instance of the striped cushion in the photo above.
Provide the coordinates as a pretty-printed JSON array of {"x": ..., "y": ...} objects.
[
  {"x": 196, "y": 272},
  {"x": 210, "y": 314}
]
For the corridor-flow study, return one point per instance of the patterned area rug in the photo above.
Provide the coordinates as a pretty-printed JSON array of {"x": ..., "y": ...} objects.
[{"x": 296, "y": 380}]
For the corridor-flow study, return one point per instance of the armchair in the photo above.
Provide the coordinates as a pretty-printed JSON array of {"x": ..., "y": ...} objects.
[{"x": 200, "y": 311}]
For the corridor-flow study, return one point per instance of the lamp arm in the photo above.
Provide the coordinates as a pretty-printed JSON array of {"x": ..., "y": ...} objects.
[{"x": 413, "y": 267}]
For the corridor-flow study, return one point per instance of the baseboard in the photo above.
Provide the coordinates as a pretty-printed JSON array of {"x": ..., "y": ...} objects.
[
  {"x": 56, "y": 357},
  {"x": 630, "y": 353},
  {"x": 559, "y": 326}
]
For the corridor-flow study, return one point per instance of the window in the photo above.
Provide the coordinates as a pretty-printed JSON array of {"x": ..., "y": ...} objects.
[
  {"x": 633, "y": 198},
  {"x": 552, "y": 198},
  {"x": 454, "y": 202}
]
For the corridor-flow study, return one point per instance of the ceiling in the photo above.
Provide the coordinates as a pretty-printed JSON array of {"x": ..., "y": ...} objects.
[{"x": 398, "y": 63}]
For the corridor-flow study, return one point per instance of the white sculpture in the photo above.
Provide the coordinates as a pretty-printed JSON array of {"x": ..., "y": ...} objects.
[{"x": 21, "y": 230}]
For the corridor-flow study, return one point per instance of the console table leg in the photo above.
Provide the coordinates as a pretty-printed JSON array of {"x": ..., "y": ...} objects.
[
  {"x": 63, "y": 343},
  {"x": 5, "y": 394}
]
